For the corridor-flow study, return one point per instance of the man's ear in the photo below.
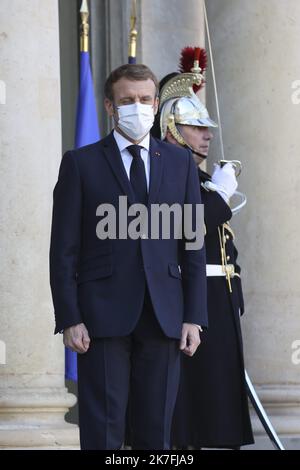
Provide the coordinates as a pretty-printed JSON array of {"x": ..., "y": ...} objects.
[{"x": 109, "y": 107}]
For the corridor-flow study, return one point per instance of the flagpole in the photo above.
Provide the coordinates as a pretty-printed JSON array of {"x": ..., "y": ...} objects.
[
  {"x": 132, "y": 35},
  {"x": 84, "y": 27}
]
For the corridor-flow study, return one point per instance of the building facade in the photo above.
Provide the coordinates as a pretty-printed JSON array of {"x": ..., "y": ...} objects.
[{"x": 257, "y": 63}]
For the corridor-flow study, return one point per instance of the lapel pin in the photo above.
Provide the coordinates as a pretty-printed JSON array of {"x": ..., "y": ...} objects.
[{"x": 157, "y": 154}]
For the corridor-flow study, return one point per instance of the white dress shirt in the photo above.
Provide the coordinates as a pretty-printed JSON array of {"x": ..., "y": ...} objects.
[{"x": 126, "y": 156}]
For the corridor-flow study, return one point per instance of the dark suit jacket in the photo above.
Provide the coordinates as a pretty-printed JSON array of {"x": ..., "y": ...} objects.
[{"x": 102, "y": 282}]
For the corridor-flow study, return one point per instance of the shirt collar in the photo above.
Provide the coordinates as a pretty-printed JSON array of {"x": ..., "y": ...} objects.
[{"x": 123, "y": 143}]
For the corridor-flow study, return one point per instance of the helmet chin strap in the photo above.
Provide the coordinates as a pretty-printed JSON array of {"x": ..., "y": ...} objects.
[
  {"x": 204, "y": 157},
  {"x": 180, "y": 139}
]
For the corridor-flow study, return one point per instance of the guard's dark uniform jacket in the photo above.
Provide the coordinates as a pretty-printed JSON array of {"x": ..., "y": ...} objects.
[{"x": 212, "y": 406}]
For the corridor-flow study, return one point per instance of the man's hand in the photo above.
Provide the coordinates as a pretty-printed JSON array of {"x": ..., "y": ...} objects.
[
  {"x": 77, "y": 338},
  {"x": 190, "y": 339}
]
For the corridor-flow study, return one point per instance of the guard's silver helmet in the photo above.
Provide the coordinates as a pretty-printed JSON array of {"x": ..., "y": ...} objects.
[{"x": 180, "y": 105}]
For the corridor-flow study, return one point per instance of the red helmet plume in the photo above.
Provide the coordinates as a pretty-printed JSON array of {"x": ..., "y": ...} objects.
[{"x": 187, "y": 59}]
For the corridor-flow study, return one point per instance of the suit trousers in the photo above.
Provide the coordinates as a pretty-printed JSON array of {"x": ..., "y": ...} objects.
[{"x": 145, "y": 363}]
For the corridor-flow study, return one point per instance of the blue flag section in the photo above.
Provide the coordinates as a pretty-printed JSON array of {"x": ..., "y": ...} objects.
[
  {"x": 70, "y": 365},
  {"x": 87, "y": 132},
  {"x": 87, "y": 126}
]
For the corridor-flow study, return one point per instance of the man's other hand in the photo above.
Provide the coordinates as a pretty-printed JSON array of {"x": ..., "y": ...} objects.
[
  {"x": 190, "y": 339},
  {"x": 77, "y": 338}
]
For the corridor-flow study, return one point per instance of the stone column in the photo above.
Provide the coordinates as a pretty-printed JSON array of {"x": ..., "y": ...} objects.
[
  {"x": 167, "y": 27},
  {"x": 256, "y": 49},
  {"x": 33, "y": 397}
]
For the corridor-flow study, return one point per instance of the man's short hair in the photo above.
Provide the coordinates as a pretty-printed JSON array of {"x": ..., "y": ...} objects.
[{"x": 134, "y": 72}]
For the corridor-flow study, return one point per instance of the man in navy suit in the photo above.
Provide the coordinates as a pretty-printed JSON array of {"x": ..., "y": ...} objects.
[{"x": 127, "y": 305}]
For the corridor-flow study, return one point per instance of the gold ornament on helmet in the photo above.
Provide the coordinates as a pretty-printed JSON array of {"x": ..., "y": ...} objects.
[{"x": 179, "y": 103}]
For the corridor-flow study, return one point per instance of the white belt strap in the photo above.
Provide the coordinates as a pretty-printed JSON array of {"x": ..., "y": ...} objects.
[{"x": 218, "y": 270}]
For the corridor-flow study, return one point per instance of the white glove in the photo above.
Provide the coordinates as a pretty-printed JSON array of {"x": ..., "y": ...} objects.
[{"x": 225, "y": 180}]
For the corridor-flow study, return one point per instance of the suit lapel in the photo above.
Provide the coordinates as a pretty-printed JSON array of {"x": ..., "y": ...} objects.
[
  {"x": 114, "y": 159},
  {"x": 156, "y": 170}
]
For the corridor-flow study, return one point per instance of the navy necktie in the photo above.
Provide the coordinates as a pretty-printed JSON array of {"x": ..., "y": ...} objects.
[{"x": 138, "y": 175}]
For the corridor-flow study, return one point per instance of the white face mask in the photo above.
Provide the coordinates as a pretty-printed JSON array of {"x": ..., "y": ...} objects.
[{"x": 135, "y": 120}]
